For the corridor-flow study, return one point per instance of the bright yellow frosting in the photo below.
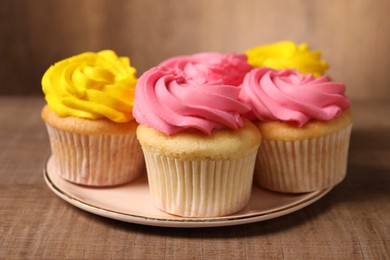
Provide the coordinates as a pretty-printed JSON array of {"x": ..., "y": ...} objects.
[
  {"x": 287, "y": 55},
  {"x": 91, "y": 85}
]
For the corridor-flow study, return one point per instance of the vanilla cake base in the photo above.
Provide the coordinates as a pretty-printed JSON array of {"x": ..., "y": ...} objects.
[
  {"x": 194, "y": 175},
  {"x": 93, "y": 152},
  {"x": 305, "y": 159}
]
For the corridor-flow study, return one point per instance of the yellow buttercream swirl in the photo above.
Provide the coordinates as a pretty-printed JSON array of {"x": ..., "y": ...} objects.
[
  {"x": 91, "y": 85},
  {"x": 288, "y": 55}
]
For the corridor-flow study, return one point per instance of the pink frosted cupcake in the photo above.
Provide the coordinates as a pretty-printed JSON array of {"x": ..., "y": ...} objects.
[
  {"x": 305, "y": 123},
  {"x": 199, "y": 152}
]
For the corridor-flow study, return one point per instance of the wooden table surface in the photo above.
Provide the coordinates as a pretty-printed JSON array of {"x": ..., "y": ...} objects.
[{"x": 350, "y": 222}]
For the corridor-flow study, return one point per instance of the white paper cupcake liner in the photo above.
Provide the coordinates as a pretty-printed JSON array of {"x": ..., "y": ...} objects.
[
  {"x": 199, "y": 188},
  {"x": 303, "y": 165},
  {"x": 96, "y": 160}
]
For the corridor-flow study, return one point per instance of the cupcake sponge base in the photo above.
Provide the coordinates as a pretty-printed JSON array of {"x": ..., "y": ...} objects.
[
  {"x": 195, "y": 175},
  {"x": 314, "y": 158},
  {"x": 199, "y": 188},
  {"x": 303, "y": 166},
  {"x": 93, "y": 152}
]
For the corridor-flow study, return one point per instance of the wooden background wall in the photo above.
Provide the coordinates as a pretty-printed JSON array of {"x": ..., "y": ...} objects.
[{"x": 354, "y": 35}]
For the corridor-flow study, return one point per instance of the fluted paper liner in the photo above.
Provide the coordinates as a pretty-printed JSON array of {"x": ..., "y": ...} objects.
[
  {"x": 200, "y": 187},
  {"x": 303, "y": 165},
  {"x": 96, "y": 160}
]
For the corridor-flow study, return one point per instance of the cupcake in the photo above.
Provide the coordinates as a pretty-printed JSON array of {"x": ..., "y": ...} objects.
[
  {"x": 287, "y": 55},
  {"x": 89, "y": 119},
  {"x": 305, "y": 124},
  {"x": 199, "y": 152}
]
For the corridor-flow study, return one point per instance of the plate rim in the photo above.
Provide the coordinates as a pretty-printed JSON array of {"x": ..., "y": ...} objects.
[{"x": 230, "y": 220}]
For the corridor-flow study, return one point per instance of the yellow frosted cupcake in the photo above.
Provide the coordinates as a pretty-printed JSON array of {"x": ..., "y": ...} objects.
[
  {"x": 305, "y": 123},
  {"x": 199, "y": 152},
  {"x": 89, "y": 119},
  {"x": 288, "y": 55}
]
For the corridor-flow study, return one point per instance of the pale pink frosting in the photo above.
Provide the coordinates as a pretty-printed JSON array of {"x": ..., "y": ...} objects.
[
  {"x": 169, "y": 102},
  {"x": 229, "y": 69},
  {"x": 287, "y": 95}
]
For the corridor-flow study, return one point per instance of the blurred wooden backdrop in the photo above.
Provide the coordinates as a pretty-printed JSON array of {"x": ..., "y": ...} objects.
[{"x": 354, "y": 35}]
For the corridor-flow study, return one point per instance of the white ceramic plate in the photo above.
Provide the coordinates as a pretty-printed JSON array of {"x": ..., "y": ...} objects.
[{"x": 132, "y": 203}]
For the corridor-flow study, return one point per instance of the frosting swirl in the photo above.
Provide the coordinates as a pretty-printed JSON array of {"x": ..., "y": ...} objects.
[
  {"x": 91, "y": 85},
  {"x": 287, "y": 55},
  {"x": 290, "y": 96},
  {"x": 209, "y": 67},
  {"x": 169, "y": 102}
]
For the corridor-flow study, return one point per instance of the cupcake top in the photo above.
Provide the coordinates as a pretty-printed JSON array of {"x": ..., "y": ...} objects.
[
  {"x": 292, "y": 97},
  {"x": 288, "y": 55},
  {"x": 211, "y": 67},
  {"x": 170, "y": 102},
  {"x": 92, "y": 86}
]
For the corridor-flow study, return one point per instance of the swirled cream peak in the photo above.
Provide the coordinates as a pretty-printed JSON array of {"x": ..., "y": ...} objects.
[
  {"x": 289, "y": 96},
  {"x": 288, "y": 55},
  {"x": 169, "y": 102},
  {"x": 91, "y": 85},
  {"x": 209, "y": 67}
]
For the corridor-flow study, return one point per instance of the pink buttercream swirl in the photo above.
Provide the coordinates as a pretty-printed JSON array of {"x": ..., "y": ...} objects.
[
  {"x": 211, "y": 67},
  {"x": 287, "y": 95},
  {"x": 168, "y": 101}
]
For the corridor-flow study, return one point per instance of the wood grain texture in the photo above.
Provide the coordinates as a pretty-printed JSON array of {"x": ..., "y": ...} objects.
[
  {"x": 353, "y": 35},
  {"x": 351, "y": 222}
]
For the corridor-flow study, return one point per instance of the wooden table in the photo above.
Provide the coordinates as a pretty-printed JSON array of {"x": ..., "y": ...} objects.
[{"x": 351, "y": 222}]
